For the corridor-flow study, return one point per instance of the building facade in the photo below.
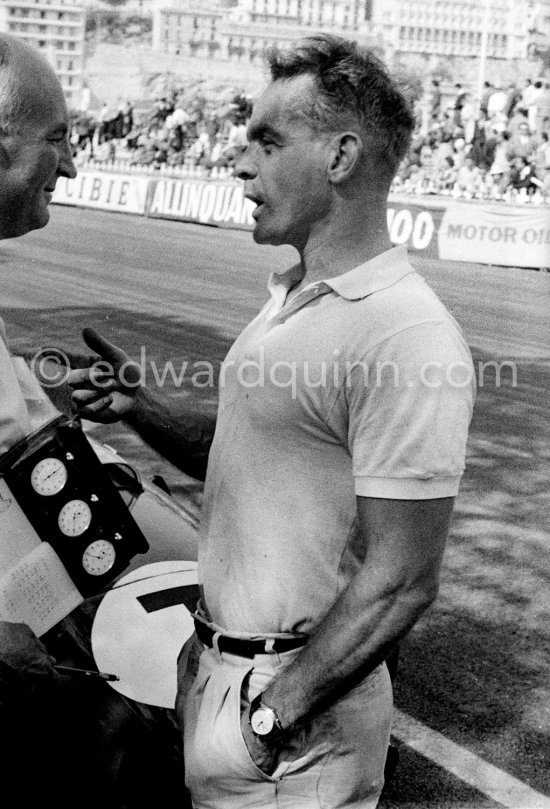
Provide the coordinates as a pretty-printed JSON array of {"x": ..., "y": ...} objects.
[
  {"x": 243, "y": 30},
  {"x": 441, "y": 29},
  {"x": 57, "y": 29},
  {"x": 430, "y": 29}
]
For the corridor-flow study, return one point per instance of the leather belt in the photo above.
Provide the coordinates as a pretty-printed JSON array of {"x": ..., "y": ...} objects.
[{"x": 246, "y": 648}]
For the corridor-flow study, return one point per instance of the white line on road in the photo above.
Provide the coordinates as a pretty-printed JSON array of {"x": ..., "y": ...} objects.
[{"x": 473, "y": 770}]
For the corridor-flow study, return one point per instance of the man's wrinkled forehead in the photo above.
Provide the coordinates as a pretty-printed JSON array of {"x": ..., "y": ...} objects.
[{"x": 284, "y": 102}]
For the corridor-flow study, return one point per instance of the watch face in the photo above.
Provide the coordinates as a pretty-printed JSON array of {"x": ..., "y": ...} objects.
[
  {"x": 99, "y": 557},
  {"x": 49, "y": 476},
  {"x": 262, "y": 721},
  {"x": 74, "y": 518}
]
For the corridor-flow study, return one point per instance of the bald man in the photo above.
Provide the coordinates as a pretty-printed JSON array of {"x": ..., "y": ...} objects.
[
  {"x": 62, "y": 740},
  {"x": 34, "y": 153},
  {"x": 34, "y": 147}
]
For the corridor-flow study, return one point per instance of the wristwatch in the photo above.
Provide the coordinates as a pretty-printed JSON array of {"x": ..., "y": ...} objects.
[{"x": 264, "y": 721}]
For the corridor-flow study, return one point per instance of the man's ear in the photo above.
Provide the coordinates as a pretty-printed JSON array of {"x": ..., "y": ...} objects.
[{"x": 345, "y": 155}]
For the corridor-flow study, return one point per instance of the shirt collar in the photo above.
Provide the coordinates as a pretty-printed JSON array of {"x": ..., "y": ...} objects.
[
  {"x": 281, "y": 282},
  {"x": 379, "y": 273}
]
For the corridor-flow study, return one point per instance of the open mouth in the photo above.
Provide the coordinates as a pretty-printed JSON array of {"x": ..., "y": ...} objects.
[
  {"x": 257, "y": 210},
  {"x": 258, "y": 201}
]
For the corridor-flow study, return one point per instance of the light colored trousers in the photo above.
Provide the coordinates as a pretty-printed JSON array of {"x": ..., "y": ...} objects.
[{"x": 334, "y": 761}]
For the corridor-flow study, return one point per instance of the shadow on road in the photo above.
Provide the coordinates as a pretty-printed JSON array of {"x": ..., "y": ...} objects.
[{"x": 476, "y": 668}]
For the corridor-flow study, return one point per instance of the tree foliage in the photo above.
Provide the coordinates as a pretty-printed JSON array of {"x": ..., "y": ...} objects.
[{"x": 110, "y": 25}]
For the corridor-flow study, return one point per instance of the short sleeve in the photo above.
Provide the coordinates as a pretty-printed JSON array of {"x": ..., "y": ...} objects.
[{"x": 410, "y": 402}]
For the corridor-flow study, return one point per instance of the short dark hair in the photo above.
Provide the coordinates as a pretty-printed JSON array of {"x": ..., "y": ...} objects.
[{"x": 352, "y": 84}]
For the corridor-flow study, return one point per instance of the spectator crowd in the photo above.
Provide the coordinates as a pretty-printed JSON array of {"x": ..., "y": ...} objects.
[
  {"x": 180, "y": 129},
  {"x": 497, "y": 148}
]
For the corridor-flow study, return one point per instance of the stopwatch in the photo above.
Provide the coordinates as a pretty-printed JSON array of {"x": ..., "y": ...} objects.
[
  {"x": 49, "y": 476},
  {"x": 74, "y": 518},
  {"x": 99, "y": 557}
]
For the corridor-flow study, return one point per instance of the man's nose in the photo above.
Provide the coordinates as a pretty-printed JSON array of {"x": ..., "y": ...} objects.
[
  {"x": 66, "y": 167},
  {"x": 245, "y": 168}
]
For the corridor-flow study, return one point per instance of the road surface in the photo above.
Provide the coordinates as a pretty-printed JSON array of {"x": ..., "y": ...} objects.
[{"x": 476, "y": 669}]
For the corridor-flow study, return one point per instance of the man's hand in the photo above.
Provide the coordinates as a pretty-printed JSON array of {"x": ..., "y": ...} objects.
[
  {"x": 264, "y": 756},
  {"x": 106, "y": 391},
  {"x": 24, "y": 660}
]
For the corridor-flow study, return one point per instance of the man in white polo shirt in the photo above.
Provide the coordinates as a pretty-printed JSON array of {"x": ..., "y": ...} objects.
[{"x": 338, "y": 451}]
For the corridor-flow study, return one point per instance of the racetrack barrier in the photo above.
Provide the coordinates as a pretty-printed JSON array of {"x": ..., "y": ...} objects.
[{"x": 476, "y": 232}]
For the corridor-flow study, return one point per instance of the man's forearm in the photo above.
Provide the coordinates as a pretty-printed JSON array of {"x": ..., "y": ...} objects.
[
  {"x": 352, "y": 639},
  {"x": 397, "y": 581},
  {"x": 176, "y": 430}
]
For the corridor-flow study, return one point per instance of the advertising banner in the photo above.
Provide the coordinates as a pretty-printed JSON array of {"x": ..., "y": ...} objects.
[
  {"x": 505, "y": 236},
  {"x": 415, "y": 226},
  {"x": 110, "y": 192},
  {"x": 205, "y": 201},
  {"x": 440, "y": 229}
]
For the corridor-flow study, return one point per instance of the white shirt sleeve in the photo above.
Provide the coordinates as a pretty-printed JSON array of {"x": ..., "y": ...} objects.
[
  {"x": 410, "y": 402},
  {"x": 14, "y": 416}
]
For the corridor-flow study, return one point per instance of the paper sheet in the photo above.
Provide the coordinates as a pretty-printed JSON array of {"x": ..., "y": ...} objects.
[
  {"x": 38, "y": 591},
  {"x": 17, "y": 536}
]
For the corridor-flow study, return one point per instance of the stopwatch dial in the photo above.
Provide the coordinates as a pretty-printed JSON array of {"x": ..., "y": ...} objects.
[
  {"x": 74, "y": 518},
  {"x": 99, "y": 557},
  {"x": 49, "y": 476}
]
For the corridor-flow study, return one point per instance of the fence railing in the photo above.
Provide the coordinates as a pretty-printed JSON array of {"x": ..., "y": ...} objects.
[{"x": 162, "y": 169}]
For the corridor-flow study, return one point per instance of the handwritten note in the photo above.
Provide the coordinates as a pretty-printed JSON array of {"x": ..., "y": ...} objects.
[{"x": 38, "y": 591}]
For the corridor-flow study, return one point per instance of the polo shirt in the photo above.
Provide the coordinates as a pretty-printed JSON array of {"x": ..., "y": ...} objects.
[{"x": 359, "y": 385}]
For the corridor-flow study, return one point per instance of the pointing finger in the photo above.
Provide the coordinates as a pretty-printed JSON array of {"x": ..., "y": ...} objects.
[{"x": 103, "y": 347}]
